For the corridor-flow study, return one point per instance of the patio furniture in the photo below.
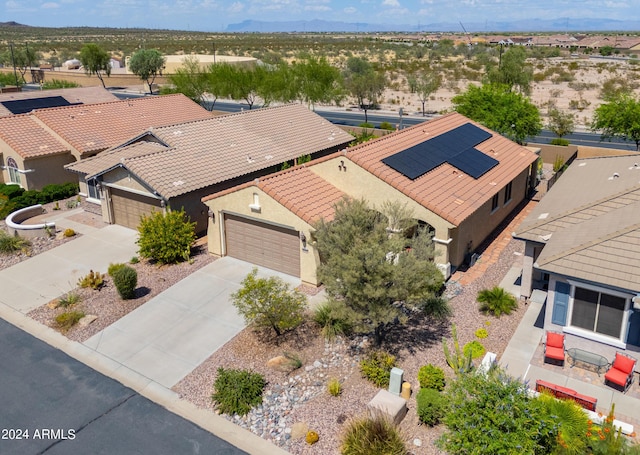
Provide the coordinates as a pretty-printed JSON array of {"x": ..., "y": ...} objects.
[
  {"x": 554, "y": 347},
  {"x": 565, "y": 393},
  {"x": 591, "y": 358},
  {"x": 621, "y": 371}
]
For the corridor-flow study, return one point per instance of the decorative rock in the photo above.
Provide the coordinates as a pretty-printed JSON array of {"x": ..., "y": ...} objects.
[
  {"x": 417, "y": 442},
  {"x": 88, "y": 319},
  {"x": 317, "y": 364},
  {"x": 53, "y": 304},
  {"x": 280, "y": 363}
]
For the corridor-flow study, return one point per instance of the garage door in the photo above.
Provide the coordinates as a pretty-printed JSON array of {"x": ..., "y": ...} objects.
[
  {"x": 129, "y": 207},
  {"x": 274, "y": 247}
]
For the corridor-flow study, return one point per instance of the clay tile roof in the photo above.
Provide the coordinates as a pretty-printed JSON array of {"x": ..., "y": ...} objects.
[
  {"x": 303, "y": 192},
  {"x": 445, "y": 190},
  {"x": 28, "y": 138},
  {"x": 96, "y": 127},
  {"x": 83, "y": 95},
  {"x": 218, "y": 149}
]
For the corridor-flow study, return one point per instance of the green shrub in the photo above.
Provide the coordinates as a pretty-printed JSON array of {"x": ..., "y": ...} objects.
[
  {"x": 294, "y": 360},
  {"x": 431, "y": 377},
  {"x": 377, "y": 367},
  {"x": 166, "y": 237},
  {"x": 126, "y": 279},
  {"x": 11, "y": 243},
  {"x": 11, "y": 191},
  {"x": 558, "y": 163},
  {"x": 71, "y": 298},
  {"x": 237, "y": 391},
  {"x": 437, "y": 306},
  {"x": 134, "y": 260},
  {"x": 59, "y": 83},
  {"x": 456, "y": 359},
  {"x": 366, "y": 125},
  {"x": 481, "y": 333},
  {"x": 334, "y": 387},
  {"x": 387, "y": 126},
  {"x": 332, "y": 316},
  {"x": 372, "y": 435},
  {"x": 93, "y": 280},
  {"x": 473, "y": 348},
  {"x": 560, "y": 141},
  {"x": 49, "y": 193},
  {"x": 496, "y": 301},
  {"x": 572, "y": 424},
  {"x": 431, "y": 406},
  {"x": 68, "y": 319},
  {"x": 113, "y": 268}
]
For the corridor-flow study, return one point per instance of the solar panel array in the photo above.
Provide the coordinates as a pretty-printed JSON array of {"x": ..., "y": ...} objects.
[
  {"x": 456, "y": 147},
  {"x": 27, "y": 105}
]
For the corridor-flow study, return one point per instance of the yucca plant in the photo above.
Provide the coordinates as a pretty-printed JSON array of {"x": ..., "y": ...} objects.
[
  {"x": 456, "y": 359},
  {"x": 496, "y": 301}
]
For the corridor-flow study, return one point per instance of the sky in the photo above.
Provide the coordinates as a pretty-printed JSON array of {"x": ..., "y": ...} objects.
[{"x": 215, "y": 15}]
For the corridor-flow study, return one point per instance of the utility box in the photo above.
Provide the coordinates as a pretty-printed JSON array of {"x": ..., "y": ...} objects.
[{"x": 395, "y": 381}]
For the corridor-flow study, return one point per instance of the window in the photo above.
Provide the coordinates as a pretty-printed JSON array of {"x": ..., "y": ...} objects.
[
  {"x": 507, "y": 192},
  {"x": 598, "y": 312},
  {"x": 92, "y": 189},
  {"x": 494, "y": 202},
  {"x": 12, "y": 168}
]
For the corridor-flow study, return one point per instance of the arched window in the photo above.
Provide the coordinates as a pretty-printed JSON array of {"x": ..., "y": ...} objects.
[{"x": 12, "y": 168}]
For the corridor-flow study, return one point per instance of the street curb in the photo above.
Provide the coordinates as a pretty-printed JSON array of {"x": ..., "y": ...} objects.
[{"x": 167, "y": 398}]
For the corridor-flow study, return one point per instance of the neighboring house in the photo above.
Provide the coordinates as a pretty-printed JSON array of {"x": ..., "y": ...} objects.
[
  {"x": 176, "y": 166},
  {"x": 26, "y": 101},
  {"x": 460, "y": 179},
  {"x": 583, "y": 239},
  {"x": 35, "y": 146}
]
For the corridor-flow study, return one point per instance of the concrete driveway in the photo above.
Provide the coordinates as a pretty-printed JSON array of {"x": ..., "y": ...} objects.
[{"x": 170, "y": 335}]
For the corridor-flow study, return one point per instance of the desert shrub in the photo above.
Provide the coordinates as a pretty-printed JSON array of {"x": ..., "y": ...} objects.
[
  {"x": 431, "y": 406},
  {"x": 334, "y": 387},
  {"x": 559, "y": 141},
  {"x": 237, "y": 391},
  {"x": 366, "y": 125},
  {"x": 269, "y": 303},
  {"x": 11, "y": 243},
  {"x": 496, "y": 301},
  {"x": 49, "y": 193},
  {"x": 166, "y": 237},
  {"x": 481, "y": 333},
  {"x": 456, "y": 359},
  {"x": 431, "y": 377},
  {"x": 134, "y": 260},
  {"x": 377, "y": 366},
  {"x": 437, "y": 306},
  {"x": 70, "y": 298},
  {"x": 387, "y": 126},
  {"x": 125, "y": 279},
  {"x": 311, "y": 437},
  {"x": 69, "y": 232},
  {"x": 372, "y": 435},
  {"x": 332, "y": 316},
  {"x": 113, "y": 268},
  {"x": 59, "y": 83},
  {"x": 68, "y": 319},
  {"x": 294, "y": 361},
  {"x": 558, "y": 163},
  {"x": 473, "y": 348},
  {"x": 93, "y": 280}
]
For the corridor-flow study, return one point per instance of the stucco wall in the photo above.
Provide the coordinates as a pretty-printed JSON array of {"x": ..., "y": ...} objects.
[
  {"x": 7, "y": 152},
  {"x": 271, "y": 211},
  {"x": 123, "y": 178},
  {"x": 47, "y": 170}
]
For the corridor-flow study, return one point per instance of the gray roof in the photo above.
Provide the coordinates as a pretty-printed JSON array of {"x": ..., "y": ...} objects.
[{"x": 589, "y": 223}]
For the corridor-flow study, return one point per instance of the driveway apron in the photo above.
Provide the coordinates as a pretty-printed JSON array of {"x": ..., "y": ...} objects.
[{"x": 174, "y": 332}]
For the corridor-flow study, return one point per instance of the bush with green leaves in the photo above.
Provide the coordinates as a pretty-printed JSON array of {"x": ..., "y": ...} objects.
[
  {"x": 334, "y": 387},
  {"x": 69, "y": 299},
  {"x": 125, "y": 279},
  {"x": 22, "y": 199},
  {"x": 333, "y": 317},
  {"x": 376, "y": 367},
  {"x": 572, "y": 424},
  {"x": 113, "y": 268},
  {"x": 560, "y": 141},
  {"x": 387, "y": 126},
  {"x": 431, "y": 406},
  {"x": 473, "y": 348},
  {"x": 431, "y": 377},
  {"x": 496, "y": 301},
  {"x": 166, "y": 237},
  {"x": 481, "y": 333},
  {"x": 11, "y": 243},
  {"x": 459, "y": 361},
  {"x": 372, "y": 435},
  {"x": 237, "y": 391},
  {"x": 68, "y": 319}
]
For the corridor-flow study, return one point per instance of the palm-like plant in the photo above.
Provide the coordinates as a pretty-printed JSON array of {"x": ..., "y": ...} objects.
[{"x": 496, "y": 301}]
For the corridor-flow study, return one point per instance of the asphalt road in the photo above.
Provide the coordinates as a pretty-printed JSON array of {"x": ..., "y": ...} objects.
[{"x": 52, "y": 404}]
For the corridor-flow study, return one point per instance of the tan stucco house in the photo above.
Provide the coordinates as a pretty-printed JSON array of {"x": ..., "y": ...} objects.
[
  {"x": 583, "y": 244},
  {"x": 460, "y": 179},
  {"x": 176, "y": 166},
  {"x": 35, "y": 146}
]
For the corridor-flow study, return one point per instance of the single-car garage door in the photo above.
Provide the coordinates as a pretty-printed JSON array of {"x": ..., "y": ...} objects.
[
  {"x": 263, "y": 244},
  {"x": 129, "y": 207}
]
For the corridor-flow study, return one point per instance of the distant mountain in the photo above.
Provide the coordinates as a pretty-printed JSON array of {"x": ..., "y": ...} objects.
[
  {"x": 563, "y": 24},
  {"x": 12, "y": 24}
]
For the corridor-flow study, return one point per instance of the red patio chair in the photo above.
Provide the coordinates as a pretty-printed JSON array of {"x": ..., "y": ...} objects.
[
  {"x": 554, "y": 347},
  {"x": 621, "y": 371}
]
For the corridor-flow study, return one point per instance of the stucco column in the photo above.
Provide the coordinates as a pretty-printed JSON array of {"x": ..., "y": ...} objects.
[{"x": 527, "y": 270}]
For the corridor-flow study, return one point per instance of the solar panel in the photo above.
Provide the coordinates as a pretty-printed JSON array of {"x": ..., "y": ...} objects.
[
  {"x": 455, "y": 147},
  {"x": 27, "y": 105}
]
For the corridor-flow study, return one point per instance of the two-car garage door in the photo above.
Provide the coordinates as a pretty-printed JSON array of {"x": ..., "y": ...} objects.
[
  {"x": 274, "y": 247},
  {"x": 128, "y": 207}
]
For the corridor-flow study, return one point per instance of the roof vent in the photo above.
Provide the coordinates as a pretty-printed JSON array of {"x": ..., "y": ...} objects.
[
  {"x": 543, "y": 216},
  {"x": 614, "y": 176},
  {"x": 635, "y": 166},
  {"x": 582, "y": 164},
  {"x": 178, "y": 183},
  {"x": 249, "y": 159}
]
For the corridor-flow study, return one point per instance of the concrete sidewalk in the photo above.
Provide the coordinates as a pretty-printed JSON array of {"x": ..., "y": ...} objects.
[{"x": 174, "y": 332}]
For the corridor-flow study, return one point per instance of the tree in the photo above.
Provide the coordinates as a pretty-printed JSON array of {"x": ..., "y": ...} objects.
[
  {"x": 147, "y": 64},
  {"x": 364, "y": 83},
  {"x": 369, "y": 266},
  {"x": 425, "y": 86},
  {"x": 95, "y": 60},
  {"x": 269, "y": 303},
  {"x": 191, "y": 81},
  {"x": 166, "y": 237},
  {"x": 496, "y": 107},
  {"x": 22, "y": 58},
  {"x": 619, "y": 118},
  {"x": 317, "y": 80},
  {"x": 513, "y": 70},
  {"x": 606, "y": 51},
  {"x": 560, "y": 123}
]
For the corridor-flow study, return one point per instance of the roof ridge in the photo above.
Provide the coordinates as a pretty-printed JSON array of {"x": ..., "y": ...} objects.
[{"x": 103, "y": 103}]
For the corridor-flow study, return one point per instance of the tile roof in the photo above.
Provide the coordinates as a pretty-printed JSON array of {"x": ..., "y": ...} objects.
[
  {"x": 96, "y": 127},
  {"x": 590, "y": 223},
  {"x": 445, "y": 190},
  {"x": 84, "y": 95},
  {"x": 218, "y": 149},
  {"x": 29, "y": 138}
]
